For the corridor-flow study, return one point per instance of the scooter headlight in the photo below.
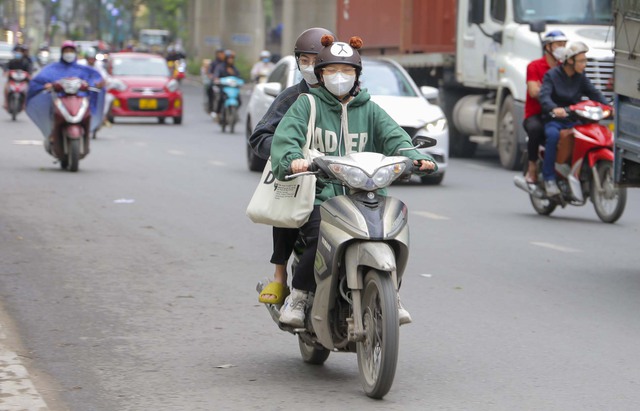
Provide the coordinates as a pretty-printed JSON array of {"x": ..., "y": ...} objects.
[
  {"x": 71, "y": 86},
  {"x": 385, "y": 175},
  {"x": 172, "y": 85},
  {"x": 355, "y": 177}
]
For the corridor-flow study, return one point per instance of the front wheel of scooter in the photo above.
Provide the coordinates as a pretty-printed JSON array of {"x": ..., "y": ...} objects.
[
  {"x": 233, "y": 114},
  {"x": 312, "y": 354},
  {"x": 378, "y": 351},
  {"x": 543, "y": 206},
  {"x": 74, "y": 154},
  {"x": 610, "y": 201}
]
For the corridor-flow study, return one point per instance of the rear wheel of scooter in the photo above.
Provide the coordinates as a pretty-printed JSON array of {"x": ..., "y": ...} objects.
[
  {"x": 311, "y": 354},
  {"x": 74, "y": 154},
  {"x": 611, "y": 200},
  {"x": 378, "y": 352}
]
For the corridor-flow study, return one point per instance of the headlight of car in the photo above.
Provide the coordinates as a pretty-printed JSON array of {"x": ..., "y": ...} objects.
[
  {"x": 437, "y": 126},
  {"x": 172, "y": 85}
]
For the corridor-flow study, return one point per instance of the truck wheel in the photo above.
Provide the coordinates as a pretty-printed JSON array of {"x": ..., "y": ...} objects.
[{"x": 508, "y": 147}]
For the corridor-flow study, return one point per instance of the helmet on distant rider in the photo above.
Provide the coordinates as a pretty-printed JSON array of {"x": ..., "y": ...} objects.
[
  {"x": 90, "y": 53},
  {"x": 309, "y": 41},
  {"x": 553, "y": 36},
  {"x": 229, "y": 53},
  {"x": 264, "y": 54},
  {"x": 68, "y": 44},
  {"x": 575, "y": 48}
]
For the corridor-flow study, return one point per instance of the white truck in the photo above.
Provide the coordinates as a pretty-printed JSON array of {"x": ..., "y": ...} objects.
[
  {"x": 476, "y": 52},
  {"x": 627, "y": 92}
]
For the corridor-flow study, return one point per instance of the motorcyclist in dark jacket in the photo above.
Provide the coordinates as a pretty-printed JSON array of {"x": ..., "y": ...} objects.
[
  {"x": 306, "y": 48},
  {"x": 563, "y": 86},
  {"x": 21, "y": 61},
  {"x": 224, "y": 69}
]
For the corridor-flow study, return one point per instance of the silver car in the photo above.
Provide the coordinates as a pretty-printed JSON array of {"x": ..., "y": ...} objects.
[{"x": 389, "y": 85}]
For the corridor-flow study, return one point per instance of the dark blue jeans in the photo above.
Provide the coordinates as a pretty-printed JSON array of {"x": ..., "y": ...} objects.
[{"x": 552, "y": 131}]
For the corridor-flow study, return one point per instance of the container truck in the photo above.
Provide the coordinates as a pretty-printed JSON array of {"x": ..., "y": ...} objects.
[
  {"x": 476, "y": 52},
  {"x": 627, "y": 93}
]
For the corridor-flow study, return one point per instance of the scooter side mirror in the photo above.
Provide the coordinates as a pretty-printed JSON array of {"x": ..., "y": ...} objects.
[
  {"x": 424, "y": 141},
  {"x": 538, "y": 26},
  {"x": 272, "y": 89}
]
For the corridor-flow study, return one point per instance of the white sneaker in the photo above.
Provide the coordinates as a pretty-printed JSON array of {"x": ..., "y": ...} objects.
[
  {"x": 214, "y": 115},
  {"x": 403, "y": 314},
  {"x": 292, "y": 311},
  {"x": 551, "y": 188}
]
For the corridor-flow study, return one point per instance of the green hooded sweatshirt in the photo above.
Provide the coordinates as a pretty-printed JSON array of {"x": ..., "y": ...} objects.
[{"x": 360, "y": 125}]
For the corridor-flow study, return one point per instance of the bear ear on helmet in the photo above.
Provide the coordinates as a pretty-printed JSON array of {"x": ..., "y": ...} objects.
[
  {"x": 356, "y": 42},
  {"x": 326, "y": 40}
]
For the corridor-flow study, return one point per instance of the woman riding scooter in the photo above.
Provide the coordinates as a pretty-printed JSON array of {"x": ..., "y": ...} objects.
[{"x": 39, "y": 104}]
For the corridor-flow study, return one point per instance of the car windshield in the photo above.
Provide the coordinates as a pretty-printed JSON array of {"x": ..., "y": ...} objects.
[
  {"x": 381, "y": 78},
  {"x": 142, "y": 66},
  {"x": 597, "y": 12}
]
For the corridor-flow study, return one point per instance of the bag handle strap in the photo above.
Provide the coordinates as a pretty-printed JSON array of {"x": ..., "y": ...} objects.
[{"x": 311, "y": 127}]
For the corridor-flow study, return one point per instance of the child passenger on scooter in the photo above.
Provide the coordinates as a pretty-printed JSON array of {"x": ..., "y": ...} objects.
[
  {"x": 347, "y": 121},
  {"x": 563, "y": 86}
]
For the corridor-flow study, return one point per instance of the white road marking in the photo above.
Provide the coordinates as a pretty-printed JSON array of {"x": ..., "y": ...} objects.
[
  {"x": 556, "y": 247},
  {"x": 217, "y": 163},
  {"x": 426, "y": 275},
  {"x": 176, "y": 152},
  {"x": 16, "y": 387},
  {"x": 432, "y": 216},
  {"x": 28, "y": 142}
]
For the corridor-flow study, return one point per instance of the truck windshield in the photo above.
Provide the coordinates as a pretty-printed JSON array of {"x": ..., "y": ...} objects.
[{"x": 598, "y": 12}]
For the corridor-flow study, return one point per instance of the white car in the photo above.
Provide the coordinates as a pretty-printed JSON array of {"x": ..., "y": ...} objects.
[{"x": 389, "y": 85}]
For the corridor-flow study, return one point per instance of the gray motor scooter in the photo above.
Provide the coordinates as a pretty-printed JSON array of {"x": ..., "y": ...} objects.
[{"x": 363, "y": 248}]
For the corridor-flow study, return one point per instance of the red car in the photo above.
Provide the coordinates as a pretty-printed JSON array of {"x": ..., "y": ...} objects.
[{"x": 142, "y": 86}]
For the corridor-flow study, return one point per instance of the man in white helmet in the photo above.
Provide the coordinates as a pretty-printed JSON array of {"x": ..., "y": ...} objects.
[
  {"x": 563, "y": 86},
  {"x": 262, "y": 68},
  {"x": 533, "y": 123}
]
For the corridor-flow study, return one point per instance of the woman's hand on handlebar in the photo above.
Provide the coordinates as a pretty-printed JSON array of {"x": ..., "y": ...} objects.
[
  {"x": 299, "y": 165},
  {"x": 425, "y": 165}
]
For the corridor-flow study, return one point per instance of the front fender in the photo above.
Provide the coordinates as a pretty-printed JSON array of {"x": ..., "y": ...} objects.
[
  {"x": 375, "y": 254},
  {"x": 74, "y": 131},
  {"x": 600, "y": 154}
]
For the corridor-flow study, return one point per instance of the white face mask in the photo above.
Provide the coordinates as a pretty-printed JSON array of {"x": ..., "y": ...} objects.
[
  {"x": 308, "y": 75},
  {"x": 69, "y": 57},
  {"x": 339, "y": 84},
  {"x": 559, "y": 53}
]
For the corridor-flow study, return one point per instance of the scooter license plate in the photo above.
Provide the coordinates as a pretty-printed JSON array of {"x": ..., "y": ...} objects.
[{"x": 148, "y": 104}]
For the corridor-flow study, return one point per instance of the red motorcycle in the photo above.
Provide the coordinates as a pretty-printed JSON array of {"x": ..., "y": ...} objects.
[
  {"x": 584, "y": 167},
  {"x": 69, "y": 139},
  {"x": 18, "y": 85}
]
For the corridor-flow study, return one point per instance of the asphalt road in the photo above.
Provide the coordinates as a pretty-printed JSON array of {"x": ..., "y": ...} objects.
[{"x": 130, "y": 285}]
